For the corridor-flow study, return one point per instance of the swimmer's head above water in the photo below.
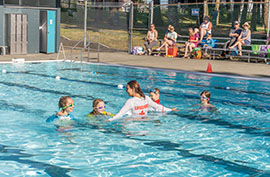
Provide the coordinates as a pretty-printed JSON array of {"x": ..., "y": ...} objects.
[
  {"x": 205, "y": 97},
  {"x": 98, "y": 107},
  {"x": 155, "y": 94},
  {"x": 66, "y": 104},
  {"x": 134, "y": 89}
]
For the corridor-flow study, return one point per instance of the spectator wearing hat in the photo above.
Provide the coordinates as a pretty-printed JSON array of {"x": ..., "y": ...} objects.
[
  {"x": 205, "y": 28},
  {"x": 169, "y": 39},
  {"x": 234, "y": 34},
  {"x": 243, "y": 39}
]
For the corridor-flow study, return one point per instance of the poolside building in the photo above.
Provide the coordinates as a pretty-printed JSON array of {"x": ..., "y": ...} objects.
[{"x": 29, "y": 26}]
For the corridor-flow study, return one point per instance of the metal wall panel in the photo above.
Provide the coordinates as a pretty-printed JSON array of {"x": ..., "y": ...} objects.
[
  {"x": 16, "y": 33},
  {"x": 18, "y": 40},
  {"x": 24, "y": 34},
  {"x": 58, "y": 26},
  {"x": 12, "y": 2},
  {"x": 12, "y": 35},
  {"x": 32, "y": 3},
  {"x": 2, "y": 27}
]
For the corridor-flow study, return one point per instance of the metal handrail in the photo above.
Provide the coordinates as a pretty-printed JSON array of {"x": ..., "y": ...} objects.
[
  {"x": 86, "y": 47},
  {"x": 75, "y": 46}
]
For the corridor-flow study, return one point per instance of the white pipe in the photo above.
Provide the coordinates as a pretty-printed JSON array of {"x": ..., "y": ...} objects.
[{"x": 85, "y": 22}]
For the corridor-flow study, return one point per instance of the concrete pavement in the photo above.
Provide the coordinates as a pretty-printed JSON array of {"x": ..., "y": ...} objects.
[{"x": 218, "y": 66}]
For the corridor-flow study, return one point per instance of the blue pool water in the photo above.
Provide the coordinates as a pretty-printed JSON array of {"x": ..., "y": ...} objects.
[{"x": 234, "y": 141}]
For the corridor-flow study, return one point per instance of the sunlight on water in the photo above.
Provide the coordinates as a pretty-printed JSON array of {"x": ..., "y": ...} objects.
[{"x": 232, "y": 141}]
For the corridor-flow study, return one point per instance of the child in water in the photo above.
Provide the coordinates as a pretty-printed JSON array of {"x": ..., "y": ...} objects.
[
  {"x": 99, "y": 109},
  {"x": 205, "y": 97},
  {"x": 154, "y": 95},
  {"x": 138, "y": 104},
  {"x": 63, "y": 118}
]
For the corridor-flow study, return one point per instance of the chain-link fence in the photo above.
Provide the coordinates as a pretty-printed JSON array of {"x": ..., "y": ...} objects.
[
  {"x": 107, "y": 20},
  {"x": 123, "y": 25},
  {"x": 222, "y": 16},
  {"x": 183, "y": 16}
]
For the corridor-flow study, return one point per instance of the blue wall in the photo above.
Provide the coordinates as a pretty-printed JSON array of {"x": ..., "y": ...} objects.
[{"x": 33, "y": 26}]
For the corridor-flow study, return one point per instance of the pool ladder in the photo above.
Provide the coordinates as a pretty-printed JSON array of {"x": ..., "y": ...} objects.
[{"x": 86, "y": 49}]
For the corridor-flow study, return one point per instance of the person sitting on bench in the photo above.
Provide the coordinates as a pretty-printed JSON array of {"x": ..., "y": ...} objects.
[
  {"x": 151, "y": 39},
  {"x": 243, "y": 39},
  {"x": 205, "y": 28},
  {"x": 191, "y": 43},
  {"x": 210, "y": 43},
  {"x": 234, "y": 34},
  {"x": 169, "y": 39}
]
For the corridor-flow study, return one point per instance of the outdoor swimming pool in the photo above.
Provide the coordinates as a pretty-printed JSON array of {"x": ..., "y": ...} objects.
[{"x": 234, "y": 141}]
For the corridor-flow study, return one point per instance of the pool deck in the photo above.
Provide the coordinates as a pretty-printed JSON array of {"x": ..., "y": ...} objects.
[{"x": 120, "y": 58}]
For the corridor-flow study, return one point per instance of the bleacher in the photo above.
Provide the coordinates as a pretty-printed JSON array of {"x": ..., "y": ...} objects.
[{"x": 247, "y": 53}]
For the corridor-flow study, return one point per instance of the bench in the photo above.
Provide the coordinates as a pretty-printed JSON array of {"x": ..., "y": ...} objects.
[{"x": 248, "y": 53}]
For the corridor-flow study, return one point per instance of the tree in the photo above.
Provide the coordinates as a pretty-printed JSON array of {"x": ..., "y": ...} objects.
[
  {"x": 205, "y": 8},
  {"x": 244, "y": 14},
  {"x": 236, "y": 12},
  {"x": 254, "y": 17},
  {"x": 266, "y": 8},
  {"x": 217, "y": 9}
]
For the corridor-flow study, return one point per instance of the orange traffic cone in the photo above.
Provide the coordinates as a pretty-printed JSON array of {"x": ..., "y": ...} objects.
[{"x": 209, "y": 68}]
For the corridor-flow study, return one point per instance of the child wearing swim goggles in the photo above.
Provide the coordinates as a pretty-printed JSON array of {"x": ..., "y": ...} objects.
[
  {"x": 205, "y": 97},
  {"x": 99, "y": 108},
  {"x": 66, "y": 105},
  {"x": 154, "y": 95}
]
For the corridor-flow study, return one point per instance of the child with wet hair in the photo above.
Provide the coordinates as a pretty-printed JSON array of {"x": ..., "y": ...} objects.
[
  {"x": 63, "y": 117},
  {"x": 99, "y": 108},
  {"x": 154, "y": 95},
  {"x": 205, "y": 97}
]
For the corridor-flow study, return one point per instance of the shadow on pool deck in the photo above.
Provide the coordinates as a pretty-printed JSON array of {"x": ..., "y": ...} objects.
[{"x": 120, "y": 58}]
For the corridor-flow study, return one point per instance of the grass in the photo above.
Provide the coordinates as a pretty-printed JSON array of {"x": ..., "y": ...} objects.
[
  {"x": 111, "y": 38},
  {"x": 118, "y": 39}
]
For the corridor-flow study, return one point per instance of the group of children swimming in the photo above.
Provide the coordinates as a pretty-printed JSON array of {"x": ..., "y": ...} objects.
[{"x": 137, "y": 106}]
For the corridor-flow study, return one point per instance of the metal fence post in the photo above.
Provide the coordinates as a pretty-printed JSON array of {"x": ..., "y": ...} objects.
[
  {"x": 85, "y": 23},
  {"x": 268, "y": 20},
  {"x": 130, "y": 27},
  {"x": 151, "y": 13}
]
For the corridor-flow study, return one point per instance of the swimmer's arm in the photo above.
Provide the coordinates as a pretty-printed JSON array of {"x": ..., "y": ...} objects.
[
  {"x": 123, "y": 111},
  {"x": 108, "y": 114},
  {"x": 156, "y": 106},
  {"x": 51, "y": 118},
  {"x": 72, "y": 117}
]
